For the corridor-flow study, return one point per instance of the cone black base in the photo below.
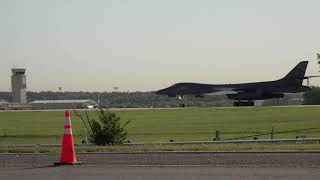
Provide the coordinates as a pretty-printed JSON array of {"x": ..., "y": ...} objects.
[{"x": 67, "y": 164}]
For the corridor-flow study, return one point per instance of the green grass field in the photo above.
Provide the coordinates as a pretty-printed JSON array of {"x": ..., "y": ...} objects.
[
  {"x": 163, "y": 125},
  {"x": 170, "y": 148}
]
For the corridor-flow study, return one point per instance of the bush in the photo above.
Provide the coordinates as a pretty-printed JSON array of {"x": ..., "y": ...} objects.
[
  {"x": 312, "y": 97},
  {"x": 106, "y": 130}
]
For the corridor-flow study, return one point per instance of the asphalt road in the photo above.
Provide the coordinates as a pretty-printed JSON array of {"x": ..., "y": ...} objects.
[
  {"x": 164, "y": 166},
  {"x": 163, "y": 173}
]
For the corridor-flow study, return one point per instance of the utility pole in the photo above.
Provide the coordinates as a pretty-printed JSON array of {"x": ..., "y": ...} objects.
[
  {"x": 318, "y": 58},
  {"x": 98, "y": 101}
]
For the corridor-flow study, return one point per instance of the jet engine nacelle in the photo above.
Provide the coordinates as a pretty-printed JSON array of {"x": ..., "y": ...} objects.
[{"x": 254, "y": 96}]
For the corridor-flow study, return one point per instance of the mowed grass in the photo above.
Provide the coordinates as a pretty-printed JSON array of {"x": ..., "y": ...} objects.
[
  {"x": 190, "y": 124},
  {"x": 175, "y": 148}
]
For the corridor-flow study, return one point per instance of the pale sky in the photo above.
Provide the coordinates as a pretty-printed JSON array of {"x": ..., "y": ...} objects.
[{"x": 142, "y": 45}]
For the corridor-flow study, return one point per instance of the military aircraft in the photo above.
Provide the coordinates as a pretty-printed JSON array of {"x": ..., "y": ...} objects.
[{"x": 244, "y": 94}]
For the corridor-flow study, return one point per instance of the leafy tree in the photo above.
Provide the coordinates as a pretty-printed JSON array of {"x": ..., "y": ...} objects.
[
  {"x": 106, "y": 130},
  {"x": 312, "y": 97},
  {"x": 6, "y": 96}
]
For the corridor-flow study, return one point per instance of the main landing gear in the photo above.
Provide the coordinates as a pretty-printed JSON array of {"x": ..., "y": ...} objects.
[
  {"x": 181, "y": 104},
  {"x": 243, "y": 103}
]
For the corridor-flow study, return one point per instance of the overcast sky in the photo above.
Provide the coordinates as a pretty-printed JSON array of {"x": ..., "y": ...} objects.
[{"x": 141, "y": 45}]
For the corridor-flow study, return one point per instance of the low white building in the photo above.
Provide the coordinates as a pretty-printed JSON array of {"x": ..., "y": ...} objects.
[
  {"x": 61, "y": 104},
  {"x": 3, "y": 104}
]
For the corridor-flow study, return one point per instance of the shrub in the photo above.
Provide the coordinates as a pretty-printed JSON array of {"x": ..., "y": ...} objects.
[{"x": 106, "y": 130}]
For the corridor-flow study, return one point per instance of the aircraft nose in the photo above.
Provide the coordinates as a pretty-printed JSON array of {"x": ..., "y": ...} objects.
[
  {"x": 158, "y": 92},
  {"x": 161, "y": 91}
]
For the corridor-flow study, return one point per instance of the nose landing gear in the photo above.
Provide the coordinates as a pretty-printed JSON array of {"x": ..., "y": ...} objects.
[{"x": 181, "y": 101}]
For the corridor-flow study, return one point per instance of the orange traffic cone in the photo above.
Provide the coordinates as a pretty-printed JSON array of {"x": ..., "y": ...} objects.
[{"x": 68, "y": 155}]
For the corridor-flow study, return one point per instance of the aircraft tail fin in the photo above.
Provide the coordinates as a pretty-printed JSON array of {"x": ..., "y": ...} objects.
[{"x": 296, "y": 75}]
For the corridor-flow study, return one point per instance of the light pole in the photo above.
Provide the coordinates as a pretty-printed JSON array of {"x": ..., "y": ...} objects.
[
  {"x": 55, "y": 94},
  {"x": 98, "y": 101},
  {"x": 318, "y": 58},
  {"x": 309, "y": 77},
  {"x": 115, "y": 89}
]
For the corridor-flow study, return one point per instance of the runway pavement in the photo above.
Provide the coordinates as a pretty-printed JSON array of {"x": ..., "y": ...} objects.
[
  {"x": 139, "y": 109},
  {"x": 161, "y": 173},
  {"x": 164, "y": 166}
]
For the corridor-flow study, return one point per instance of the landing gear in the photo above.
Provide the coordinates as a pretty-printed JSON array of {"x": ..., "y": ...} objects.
[
  {"x": 182, "y": 105},
  {"x": 181, "y": 101},
  {"x": 243, "y": 103}
]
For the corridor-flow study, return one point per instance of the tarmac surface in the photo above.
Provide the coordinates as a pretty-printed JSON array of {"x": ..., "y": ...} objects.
[{"x": 164, "y": 165}]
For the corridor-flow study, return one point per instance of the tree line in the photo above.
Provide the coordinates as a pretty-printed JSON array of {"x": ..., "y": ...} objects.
[
  {"x": 149, "y": 99},
  {"x": 124, "y": 99}
]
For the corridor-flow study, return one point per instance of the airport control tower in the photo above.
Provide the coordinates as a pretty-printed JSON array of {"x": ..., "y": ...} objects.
[{"x": 19, "y": 86}]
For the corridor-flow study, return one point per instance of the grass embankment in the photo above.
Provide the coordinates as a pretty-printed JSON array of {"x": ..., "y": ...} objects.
[{"x": 162, "y": 125}]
